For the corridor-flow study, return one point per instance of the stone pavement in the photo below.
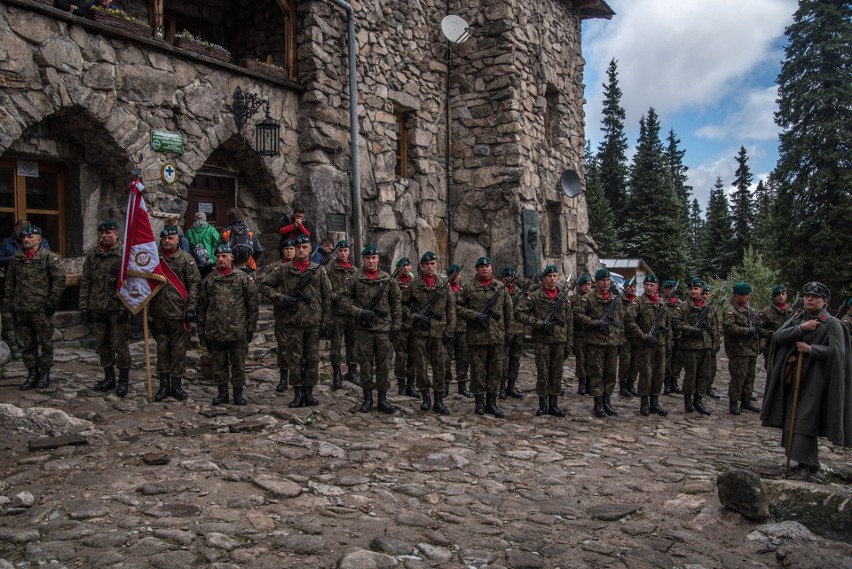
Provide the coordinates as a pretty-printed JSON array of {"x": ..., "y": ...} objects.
[{"x": 173, "y": 485}]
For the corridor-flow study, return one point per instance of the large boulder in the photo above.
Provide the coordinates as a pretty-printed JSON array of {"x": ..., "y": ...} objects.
[
  {"x": 823, "y": 509},
  {"x": 742, "y": 491}
]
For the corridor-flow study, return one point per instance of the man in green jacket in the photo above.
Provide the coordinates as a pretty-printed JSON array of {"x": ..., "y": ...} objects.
[
  {"x": 741, "y": 347},
  {"x": 203, "y": 239},
  {"x": 696, "y": 346},
  {"x": 342, "y": 328},
  {"x": 649, "y": 350}
]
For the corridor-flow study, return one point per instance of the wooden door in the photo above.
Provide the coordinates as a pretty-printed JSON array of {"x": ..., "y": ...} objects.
[{"x": 213, "y": 195}]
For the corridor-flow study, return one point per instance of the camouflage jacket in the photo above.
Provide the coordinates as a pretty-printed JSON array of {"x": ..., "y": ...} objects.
[
  {"x": 168, "y": 303},
  {"x": 738, "y": 342},
  {"x": 640, "y": 318},
  {"x": 579, "y": 328},
  {"x": 471, "y": 300},
  {"x": 99, "y": 282},
  {"x": 339, "y": 278},
  {"x": 590, "y": 310},
  {"x": 626, "y": 304},
  {"x": 684, "y": 321},
  {"x": 404, "y": 290},
  {"x": 33, "y": 283},
  {"x": 518, "y": 296},
  {"x": 768, "y": 321},
  {"x": 461, "y": 325},
  {"x": 227, "y": 306},
  {"x": 673, "y": 307},
  {"x": 443, "y": 311},
  {"x": 535, "y": 307},
  {"x": 358, "y": 291},
  {"x": 284, "y": 279}
]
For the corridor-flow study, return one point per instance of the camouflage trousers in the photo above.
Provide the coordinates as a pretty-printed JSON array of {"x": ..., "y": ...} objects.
[
  {"x": 373, "y": 355},
  {"x": 742, "y": 370},
  {"x": 229, "y": 361},
  {"x": 514, "y": 348},
  {"x": 486, "y": 367},
  {"x": 172, "y": 344},
  {"x": 280, "y": 358},
  {"x": 342, "y": 334},
  {"x": 625, "y": 362},
  {"x": 674, "y": 362},
  {"x": 580, "y": 358},
  {"x": 457, "y": 350},
  {"x": 602, "y": 368},
  {"x": 301, "y": 351},
  {"x": 696, "y": 366},
  {"x": 403, "y": 356},
  {"x": 112, "y": 339},
  {"x": 549, "y": 360},
  {"x": 649, "y": 363},
  {"x": 429, "y": 352},
  {"x": 36, "y": 330}
]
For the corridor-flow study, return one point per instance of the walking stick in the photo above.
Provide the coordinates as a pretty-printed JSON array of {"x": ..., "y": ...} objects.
[
  {"x": 790, "y": 432},
  {"x": 147, "y": 353}
]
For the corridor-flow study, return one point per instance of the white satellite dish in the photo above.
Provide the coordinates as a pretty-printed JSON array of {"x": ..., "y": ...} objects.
[{"x": 455, "y": 28}]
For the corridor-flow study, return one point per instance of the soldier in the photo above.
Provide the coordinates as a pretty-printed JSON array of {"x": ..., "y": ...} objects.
[
  {"x": 373, "y": 299},
  {"x": 514, "y": 339},
  {"x": 695, "y": 346},
  {"x": 771, "y": 318},
  {"x": 602, "y": 339},
  {"x": 584, "y": 287},
  {"x": 551, "y": 333},
  {"x": 714, "y": 360},
  {"x": 342, "y": 328},
  {"x": 301, "y": 317},
  {"x": 741, "y": 347},
  {"x": 626, "y": 386},
  {"x": 227, "y": 320},
  {"x": 674, "y": 365},
  {"x": 432, "y": 308},
  {"x": 288, "y": 253},
  {"x": 34, "y": 283},
  {"x": 101, "y": 307},
  {"x": 404, "y": 367},
  {"x": 457, "y": 349},
  {"x": 649, "y": 351},
  {"x": 172, "y": 312},
  {"x": 847, "y": 318}
]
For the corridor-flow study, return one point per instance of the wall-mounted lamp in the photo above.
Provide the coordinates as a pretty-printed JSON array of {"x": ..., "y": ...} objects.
[{"x": 266, "y": 131}]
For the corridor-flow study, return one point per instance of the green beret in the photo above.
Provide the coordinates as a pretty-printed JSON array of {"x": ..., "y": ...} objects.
[
  {"x": 849, "y": 303},
  {"x": 344, "y": 244},
  {"x": 454, "y": 269},
  {"x": 428, "y": 256},
  {"x": 742, "y": 288},
  {"x": 29, "y": 230},
  {"x": 223, "y": 248},
  {"x": 778, "y": 289},
  {"x": 508, "y": 272},
  {"x": 107, "y": 225},
  {"x": 169, "y": 230},
  {"x": 705, "y": 288},
  {"x": 482, "y": 261},
  {"x": 370, "y": 249},
  {"x": 288, "y": 243},
  {"x": 302, "y": 239},
  {"x": 548, "y": 270},
  {"x": 669, "y": 283},
  {"x": 817, "y": 288},
  {"x": 652, "y": 278},
  {"x": 602, "y": 274},
  {"x": 694, "y": 282},
  {"x": 403, "y": 261},
  {"x": 583, "y": 280}
]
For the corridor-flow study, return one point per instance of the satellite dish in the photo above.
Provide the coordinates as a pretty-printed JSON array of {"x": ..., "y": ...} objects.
[
  {"x": 455, "y": 28},
  {"x": 569, "y": 181}
]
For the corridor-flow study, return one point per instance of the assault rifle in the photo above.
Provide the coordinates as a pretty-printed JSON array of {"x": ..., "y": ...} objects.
[
  {"x": 606, "y": 319},
  {"x": 521, "y": 292},
  {"x": 655, "y": 327},
  {"x": 552, "y": 318},
  {"x": 373, "y": 305},
  {"x": 703, "y": 315},
  {"x": 841, "y": 309},
  {"x": 423, "y": 318},
  {"x": 299, "y": 292},
  {"x": 487, "y": 308}
]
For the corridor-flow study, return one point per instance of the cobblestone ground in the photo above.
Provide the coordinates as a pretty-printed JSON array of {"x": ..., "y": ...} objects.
[{"x": 266, "y": 486}]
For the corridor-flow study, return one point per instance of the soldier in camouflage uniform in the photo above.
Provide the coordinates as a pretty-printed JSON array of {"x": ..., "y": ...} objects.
[
  {"x": 674, "y": 364},
  {"x": 288, "y": 253},
  {"x": 649, "y": 352},
  {"x": 373, "y": 300},
  {"x": 301, "y": 317},
  {"x": 101, "y": 306},
  {"x": 172, "y": 313},
  {"x": 741, "y": 347},
  {"x": 457, "y": 349},
  {"x": 404, "y": 366},
  {"x": 714, "y": 359},
  {"x": 342, "y": 327},
  {"x": 514, "y": 339},
  {"x": 772, "y": 317},
  {"x": 551, "y": 336},
  {"x": 696, "y": 346},
  {"x": 584, "y": 387},
  {"x": 431, "y": 330},
  {"x": 602, "y": 340},
  {"x": 34, "y": 283},
  {"x": 626, "y": 386},
  {"x": 227, "y": 320}
]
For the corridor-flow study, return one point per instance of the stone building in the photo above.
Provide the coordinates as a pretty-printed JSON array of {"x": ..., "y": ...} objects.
[{"x": 461, "y": 144}]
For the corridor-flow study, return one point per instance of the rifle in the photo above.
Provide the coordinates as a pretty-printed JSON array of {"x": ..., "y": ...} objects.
[
  {"x": 841, "y": 309},
  {"x": 521, "y": 292},
  {"x": 703, "y": 316},
  {"x": 489, "y": 304},
  {"x": 655, "y": 327},
  {"x": 552, "y": 319},
  {"x": 373, "y": 305},
  {"x": 299, "y": 292},
  {"x": 426, "y": 312},
  {"x": 607, "y": 315}
]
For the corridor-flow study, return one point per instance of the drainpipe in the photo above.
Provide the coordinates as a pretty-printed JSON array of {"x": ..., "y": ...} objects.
[{"x": 447, "y": 165}]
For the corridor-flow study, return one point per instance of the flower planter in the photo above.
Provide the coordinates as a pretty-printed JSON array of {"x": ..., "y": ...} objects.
[
  {"x": 197, "y": 47},
  {"x": 268, "y": 70},
  {"x": 120, "y": 24}
]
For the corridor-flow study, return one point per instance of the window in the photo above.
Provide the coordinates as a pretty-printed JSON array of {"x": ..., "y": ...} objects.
[
  {"x": 401, "y": 144},
  {"x": 40, "y": 199},
  {"x": 173, "y": 24}
]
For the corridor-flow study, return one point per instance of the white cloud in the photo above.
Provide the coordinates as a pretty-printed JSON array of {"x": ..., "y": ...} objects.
[
  {"x": 754, "y": 120},
  {"x": 702, "y": 178}
]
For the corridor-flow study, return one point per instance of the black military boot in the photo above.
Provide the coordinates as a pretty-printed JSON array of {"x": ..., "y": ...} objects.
[
  {"x": 222, "y": 397},
  {"x": 734, "y": 407},
  {"x": 123, "y": 382},
  {"x": 687, "y": 403},
  {"x": 747, "y": 405},
  {"x": 43, "y": 378},
  {"x": 336, "y": 378},
  {"x": 607, "y": 405},
  {"x": 491, "y": 405},
  {"x": 598, "y": 409},
  {"x": 383, "y": 404},
  {"x": 512, "y": 391},
  {"x": 351, "y": 373},
  {"x": 177, "y": 389},
  {"x": 426, "y": 405},
  {"x": 622, "y": 389},
  {"x": 238, "y": 396},
  {"x": 553, "y": 408},
  {"x": 283, "y": 380},
  {"x": 400, "y": 384},
  {"x": 502, "y": 391},
  {"x": 675, "y": 389},
  {"x": 699, "y": 406},
  {"x": 410, "y": 391},
  {"x": 655, "y": 406},
  {"x": 367, "y": 405},
  {"x": 438, "y": 406},
  {"x": 631, "y": 387},
  {"x": 581, "y": 386},
  {"x": 479, "y": 404},
  {"x": 308, "y": 394},
  {"x": 667, "y": 385},
  {"x": 712, "y": 394},
  {"x": 165, "y": 388},
  {"x": 644, "y": 406},
  {"x": 108, "y": 382},
  {"x": 298, "y": 399},
  {"x": 542, "y": 406},
  {"x": 463, "y": 390},
  {"x": 32, "y": 379}
]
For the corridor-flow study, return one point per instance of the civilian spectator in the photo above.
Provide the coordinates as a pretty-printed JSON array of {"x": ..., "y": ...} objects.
[
  {"x": 322, "y": 251},
  {"x": 11, "y": 244}
]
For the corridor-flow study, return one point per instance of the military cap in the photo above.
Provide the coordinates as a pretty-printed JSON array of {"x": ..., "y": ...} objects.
[
  {"x": 778, "y": 289},
  {"x": 288, "y": 243},
  {"x": 508, "y": 272},
  {"x": 453, "y": 269},
  {"x": 548, "y": 270},
  {"x": 428, "y": 256},
  {"x": 583, "y": 280},
  {"x": 29, "y": 230},
  {"x": 817, "y": 288},
  {"x": 693, "y": 282},
  {"x": 652, "y": 278},
  {"x": 484, "y": 260},
  {"x": 403, "y": 261},
  {"x": 344, "y": 244},
  {"x": 223, "y": 248},
  {"x": 169, "y": 230},
  {"x": 107, "y": 225},
  {"x": 302, "y": 239},
  {"x": 705, "y": 288},
  {"x": 849, "y": 302},
  {"x": 602, "y": 274},
  {"x": 669, "y": 283},
  {"x": 370, "y": 249},
  {"x": 741, "y": 288}
]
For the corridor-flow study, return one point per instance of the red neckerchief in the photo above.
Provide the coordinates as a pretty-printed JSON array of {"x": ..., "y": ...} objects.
[
  {"x": 166, "y": 253},
  {"x": 781, "y": 306},
  {"x": 225, "y": 272},
  {"x": 370, "y": 275},
  {"x": 30, "y": 254},
  {"x": 105, "y": 248},
  {"x": 405, "y": 278},
  {"x": 302, "y": 265},
  {"x": 655, "y": 299},
  {"x": 630, "y": 297},
  {"x": 429, "y": 280},
  {"x": 605, "y": 295},
  {"x": 346, "y": 265},
  {"x": 485, "y": 284},
  {"x": 673, "y": 300},
  {"x": 551, "y": 294},
  {"x": 511, "y": 288},
  {"x": 455, "y": 287},
  {"x": 741, "y": 306},
  {"x": 699, "y": 302}
]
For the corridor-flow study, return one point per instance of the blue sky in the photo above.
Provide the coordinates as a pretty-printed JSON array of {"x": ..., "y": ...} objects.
[{"x": 708, "y": 67}]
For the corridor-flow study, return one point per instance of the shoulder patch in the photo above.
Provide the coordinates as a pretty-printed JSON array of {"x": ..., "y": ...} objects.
[
  {"x": 729, "y": 313},
  {"x": 823, "y": 317}
]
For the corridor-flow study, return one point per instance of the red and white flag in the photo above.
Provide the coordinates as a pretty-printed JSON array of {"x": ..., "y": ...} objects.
[{"x": 141, "y": 274}]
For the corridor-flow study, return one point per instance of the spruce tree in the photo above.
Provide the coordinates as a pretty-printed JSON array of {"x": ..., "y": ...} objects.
[
  {"x": 601, "y": 218},
  {"x": 694, "y": 257},
  {"x": 813, "y": 176},
  {"x": 717, "y": 239},
  {"x": 742, "y": 207},
  {"x": 762, "y": 219},
  {"x": 677, "y": 171},
  {"x": 612, "y": 152}
]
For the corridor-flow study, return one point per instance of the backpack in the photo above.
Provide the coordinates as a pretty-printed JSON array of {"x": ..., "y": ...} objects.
[
  {"x": 240, "y": 240},
  {"x": 201, "y": 256}
]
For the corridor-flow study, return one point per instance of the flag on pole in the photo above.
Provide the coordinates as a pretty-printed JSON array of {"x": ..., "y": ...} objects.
[{"x": 141, "y": 274}]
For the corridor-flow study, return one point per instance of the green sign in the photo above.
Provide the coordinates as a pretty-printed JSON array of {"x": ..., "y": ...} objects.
[{"x": 162, "y": 141}]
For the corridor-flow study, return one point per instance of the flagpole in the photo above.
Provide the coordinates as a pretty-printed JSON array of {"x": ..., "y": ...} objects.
[{"x": 147, "y": 353}]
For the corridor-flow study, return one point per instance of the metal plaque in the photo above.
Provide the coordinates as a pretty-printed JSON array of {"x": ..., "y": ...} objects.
[
  {"x": 532, "y": 243},
  {"x": 164, "y": 141}
]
